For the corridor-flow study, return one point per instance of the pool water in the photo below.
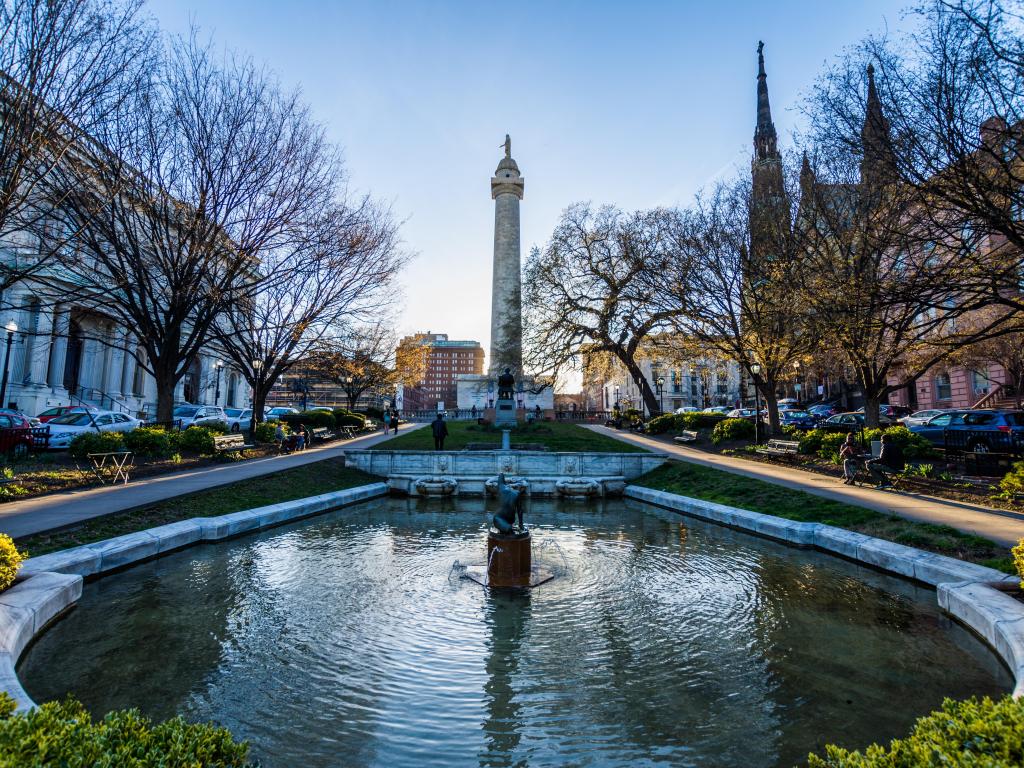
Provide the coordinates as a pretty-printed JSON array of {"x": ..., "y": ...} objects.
[{"x": 347, "y": 640}]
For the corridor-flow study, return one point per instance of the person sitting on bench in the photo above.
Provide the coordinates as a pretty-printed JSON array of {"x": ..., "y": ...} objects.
[{"x": 889, "y": 462}]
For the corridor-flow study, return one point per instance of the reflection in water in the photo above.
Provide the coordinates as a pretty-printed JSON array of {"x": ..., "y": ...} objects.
[
  {"x": 507, "y": 617},
  {"x": 341, "y": 641}
]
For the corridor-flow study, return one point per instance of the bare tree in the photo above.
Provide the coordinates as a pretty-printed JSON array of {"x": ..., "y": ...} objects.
[
  {"x": 212, "y": 168},
  {"x": 338, "y": 272},
  {"x": 741, "y": 308},
  {"x": 66, "y": 66},
  {"x": 592, "y": 287},
  {"x": 359, "y": 358}
]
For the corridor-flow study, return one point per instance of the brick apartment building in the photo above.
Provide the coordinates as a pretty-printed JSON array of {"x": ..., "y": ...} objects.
[{"x": 446, "y": 360}]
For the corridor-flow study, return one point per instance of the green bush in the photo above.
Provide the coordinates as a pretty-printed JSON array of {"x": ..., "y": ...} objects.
[
  {"x": 975, "y": 732},
  {"x": 265, "y": 432},
  {"x": 914, "y": 446},
  {"x": 1018, "y": 560},
  {"x": 1013, "y": 481},
  {"x": 10, "y": 561},
  {"x": 217, "y": 427},
  {"x": 310, "y": 419},
  {"x": 64, "y": 733},
  {"x": 732, "y": 429},
  {"x": 196, "y": 440},
  {"x": 699, "y": 420},
  {"x": 345, "y": 418},
  {"x": 95, "y": 442},
  {"x": 818, "y": 442},
  {"x": 153, "y": 442},
  {"x": 663, "y": 423},
  {"x": 810, "y": 441}
]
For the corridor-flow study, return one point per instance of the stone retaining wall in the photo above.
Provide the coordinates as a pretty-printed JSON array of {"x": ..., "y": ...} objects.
[
  {"x": 968, "y": 592},
  {"x": 50, "y": 584}
]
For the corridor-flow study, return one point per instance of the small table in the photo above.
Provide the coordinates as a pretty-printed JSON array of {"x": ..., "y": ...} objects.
[{"x": 112, "y": 466}]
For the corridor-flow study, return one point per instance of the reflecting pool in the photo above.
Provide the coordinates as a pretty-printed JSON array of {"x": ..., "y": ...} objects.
[{"x": 347, "y": 640}]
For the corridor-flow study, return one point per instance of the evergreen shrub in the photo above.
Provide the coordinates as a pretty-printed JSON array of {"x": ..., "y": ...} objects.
[
  {"x": 95, "y": 442},
  {"x": 63, "y": 733},
  {"x": 346, "y": 418},
  {"x": 265, "y": 431},
  {"x": 10, "y": 561},
  {"x": 975, "y": 732},
  {"x": 150, "y": 442},
  {"x": 732, "y": 429},
  {"x": 196, "y": 439},
  {"x": 310, "y": 419}
]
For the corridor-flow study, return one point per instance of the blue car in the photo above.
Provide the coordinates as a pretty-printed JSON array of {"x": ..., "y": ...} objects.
[
  {"x": 798, "y": 419},
  {"x": 977, "y": 431}
]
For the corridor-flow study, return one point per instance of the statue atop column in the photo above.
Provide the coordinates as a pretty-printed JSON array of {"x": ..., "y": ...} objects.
[{"x": 508, "y": 146}]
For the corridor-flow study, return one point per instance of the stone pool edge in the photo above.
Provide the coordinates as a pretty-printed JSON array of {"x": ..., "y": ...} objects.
[
  {"x": 50, "y": 584},
  {"x": 966, "y": 591}
]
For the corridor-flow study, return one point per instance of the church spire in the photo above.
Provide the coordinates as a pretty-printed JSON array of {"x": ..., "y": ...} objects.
[
  {"x": 765, "y": 138},
  {"x": 878, "y": 161}
]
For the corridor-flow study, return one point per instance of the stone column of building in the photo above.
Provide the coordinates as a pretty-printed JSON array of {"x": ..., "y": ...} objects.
[
  {"x": 115, "y": 371},
  {"x": 41, "y": 348},
  {"x": 59, "y": 345},
  {"x": 506, "y": 284}
]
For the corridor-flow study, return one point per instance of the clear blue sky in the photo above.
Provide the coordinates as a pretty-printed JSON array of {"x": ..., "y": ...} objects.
[{"x": 633, "y": 103}]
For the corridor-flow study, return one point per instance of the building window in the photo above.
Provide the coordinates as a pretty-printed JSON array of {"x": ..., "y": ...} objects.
[
  {"x": 943, "y": 387},
  {"x": 980, "y": 383}
]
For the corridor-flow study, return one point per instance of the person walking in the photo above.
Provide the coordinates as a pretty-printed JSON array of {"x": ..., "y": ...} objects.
[
  {"x": 889, "y": 462},
  {"x": 848, "y": 453},
  {"x": 440, "y": 430},
  {"x": 386, "y": 418},
  {"x": 394, "y": 420}
]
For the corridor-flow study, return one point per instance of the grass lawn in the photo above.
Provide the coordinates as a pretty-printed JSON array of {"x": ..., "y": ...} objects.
[
  {"x": 557, "y": 436},
  {"x": 721, "y": 487},
  {"x": 308, "y": 480}
]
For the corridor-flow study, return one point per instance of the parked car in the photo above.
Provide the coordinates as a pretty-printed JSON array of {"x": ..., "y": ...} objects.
[
  {"x": 276, "y": 413},
  {"x": 894, "y": 412},
  {"x": 198, "y": 415},
  {"x": 976, "y": 431},
  {"x": 723, "y": 409},
  {"x": 851, "y": 422},
  {"x": 822, "y": 411},
  {"x": 798, "y": 419},
  {"x": 742, "y": 413},
  {"x": 239, "y": 419},
  {"x": 52, "y": 413},
  {"x": 920, "y": 418},
  {"x": 15, "y": 433},
  {"x": 66, "y": 428},
  {"x": 687, "y": 409}
]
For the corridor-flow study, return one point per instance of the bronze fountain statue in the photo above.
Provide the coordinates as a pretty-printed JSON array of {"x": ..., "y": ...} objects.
[{"x": 510, "y": 508}]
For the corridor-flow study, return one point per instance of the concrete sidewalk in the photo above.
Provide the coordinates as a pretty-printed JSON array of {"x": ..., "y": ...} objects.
[
  {"x": 1001, "y": 526},
  {"x": 44, "y": 513}
]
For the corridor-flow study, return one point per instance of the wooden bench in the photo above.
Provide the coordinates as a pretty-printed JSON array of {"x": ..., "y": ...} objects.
[
  {"x": 229, "y": 443},
  {"x": 348, "y": 431},
  {"x": 319, "y": 434},
  {"x": 781, "y": 448},
  {"x": 687, "y": 436}
]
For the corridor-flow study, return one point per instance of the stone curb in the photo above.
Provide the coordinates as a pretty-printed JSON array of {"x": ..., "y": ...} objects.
[
  {"x": 966, "y": 591},
  {"x": 49, "y": 584}
]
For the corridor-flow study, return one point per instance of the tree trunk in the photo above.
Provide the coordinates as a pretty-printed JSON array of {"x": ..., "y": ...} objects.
[
  {"x": 771, "y": 401},
  {"x": 649, "y": 398},
  {"x": 165, "y": 383},
  {"x": 871, "y": 403},
  {"x": 259, "y": 404}
]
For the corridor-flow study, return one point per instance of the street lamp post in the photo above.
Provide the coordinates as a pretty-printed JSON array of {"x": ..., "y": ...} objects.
[
  {"x": 348, "y": 392},
  {"x": 799, "y": 385},
  {"x": 640, "y": 396},
  {"x": 216, "y": 394},
  {"x": 12, "y": 328},
  {"x": 661, "y": 393},
  {"x": 755, "y": 370}
]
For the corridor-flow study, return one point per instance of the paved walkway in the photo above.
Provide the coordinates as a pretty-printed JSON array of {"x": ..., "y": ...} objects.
[
  {"x": 44, "y": 513},
  {"x": 1004, "y": 527}
]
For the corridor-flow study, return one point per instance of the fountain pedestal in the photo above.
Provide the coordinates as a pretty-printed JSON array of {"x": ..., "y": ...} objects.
[{"x": 509, "y": 561}]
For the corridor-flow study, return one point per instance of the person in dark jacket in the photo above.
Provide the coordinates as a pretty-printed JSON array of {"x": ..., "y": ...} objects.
[
  {"x": 440, "y": 430},
  {"x": 889, "y": 462}
]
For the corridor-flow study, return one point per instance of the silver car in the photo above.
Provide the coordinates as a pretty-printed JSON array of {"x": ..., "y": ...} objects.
[
  {"x": 239, "y": 419},
  {"x": 920, "y": 418},
  {"x": 189, "y": 415}
]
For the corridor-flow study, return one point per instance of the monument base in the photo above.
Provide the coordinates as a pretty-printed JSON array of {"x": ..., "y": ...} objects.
[
  {"x": 509, "y": 563},
  {"x": 505, "y": 414}
]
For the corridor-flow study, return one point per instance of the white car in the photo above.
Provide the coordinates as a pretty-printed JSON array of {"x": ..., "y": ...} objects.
[
  {"x": 239, "y": 419},
  {"x": 198, "y": 415},
  {"x": 687, "y": 409},
  {"x": 64, "y": 429},
  {"x": 920, "y": 418}
]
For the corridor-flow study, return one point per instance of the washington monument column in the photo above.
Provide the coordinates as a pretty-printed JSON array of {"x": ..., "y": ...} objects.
[{"x": 506, "y": 285}]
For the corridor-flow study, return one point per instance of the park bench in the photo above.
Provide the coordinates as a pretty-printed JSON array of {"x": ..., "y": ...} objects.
[
  {"x": 319, "y": 434},
  {"x": 780, "y": 448},
  {"x": 348, "y": 431},
  {"x": 229, "y": 443},
  {"x": 112, "y": 466},
  {"x": 687, "y": 436}
]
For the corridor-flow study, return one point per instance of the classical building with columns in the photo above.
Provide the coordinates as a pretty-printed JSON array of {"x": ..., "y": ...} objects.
[{"x": 68, "y": 352}]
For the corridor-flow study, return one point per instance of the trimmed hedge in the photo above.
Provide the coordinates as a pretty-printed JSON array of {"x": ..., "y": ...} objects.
[
  {"x": 679, "y": 421},
  {"x": 264, "y": 432},
  {"x": 196, "y": 440},
  {"x": 63, "y": 733},
  {"x": 660, "y": 424},
  {"x": 732, "y": 429},
  {"x": 975, "y": 732},
  {"x": 310, "y": 419},
  {"x": 818, "y": 442},
  {"x": 10, "y": 561},
  {"x": 152, "y": 442},
  {"x": 1013, "y": 481},
  {"x": 95, "y": 442},
  {"x": 1018, "y": 560},
  {"x": 345, "y": 418}
]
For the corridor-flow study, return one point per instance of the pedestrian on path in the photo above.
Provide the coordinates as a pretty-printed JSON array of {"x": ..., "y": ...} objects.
[
  {"x": 387, "y": 421},
  {"x": 394, "y": 420},
  {"x": 440, "y": 430}
]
